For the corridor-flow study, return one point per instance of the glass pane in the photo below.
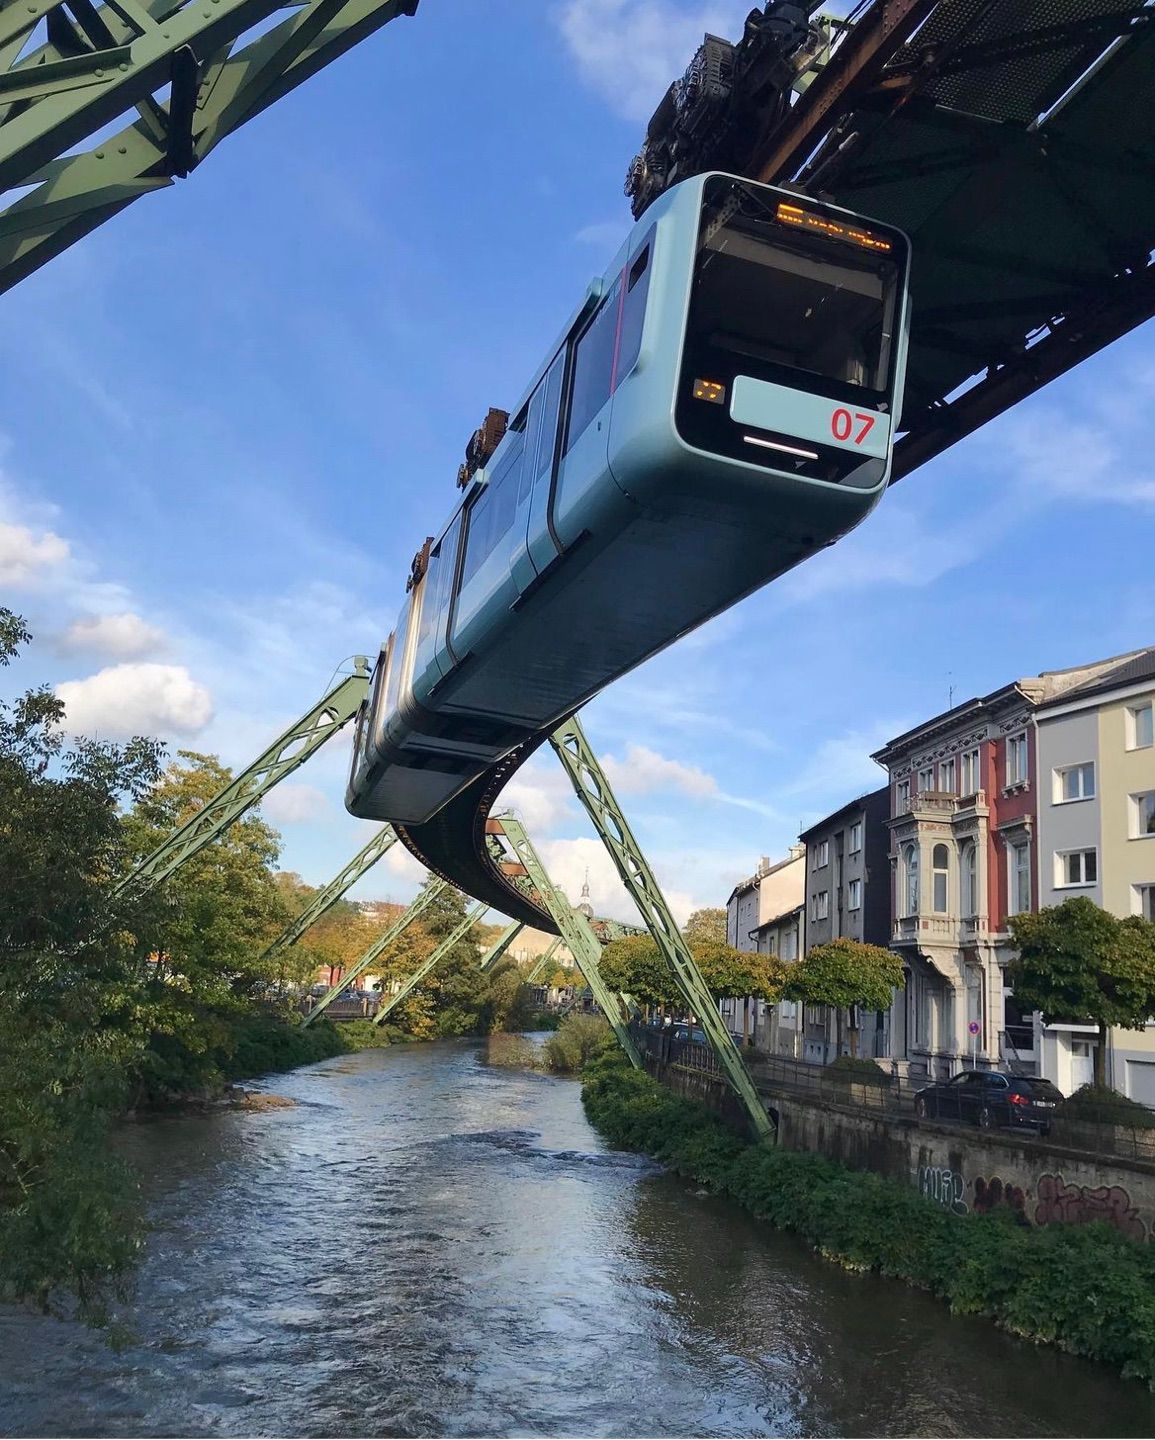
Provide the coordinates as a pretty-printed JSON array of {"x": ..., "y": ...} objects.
[
  {"x": 1090, "y": 866},
  {"x": 633, "y": 314},
  {"x": 593, "y": 365},
  {"x": 940, "y": 893},
  {"x": 491, "y": 514},
  {"x": 1143, "y": 725}
]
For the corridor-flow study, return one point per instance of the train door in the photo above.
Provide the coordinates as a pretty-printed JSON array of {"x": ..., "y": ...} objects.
[{"x": 535, "y": 545}]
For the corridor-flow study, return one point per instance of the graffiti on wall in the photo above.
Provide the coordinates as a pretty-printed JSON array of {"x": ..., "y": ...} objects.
[
  {"x": 1060, "y": 1203},
  {"x": 946, "y": 1187},
  {"x": 996, "y": 1194}
]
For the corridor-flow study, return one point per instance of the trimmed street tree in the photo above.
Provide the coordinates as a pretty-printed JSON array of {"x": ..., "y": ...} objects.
[
  {"x": 705, "y": 925},
  {"x": 845, "y": 973},
  {"x": 1079, "y": 964}
]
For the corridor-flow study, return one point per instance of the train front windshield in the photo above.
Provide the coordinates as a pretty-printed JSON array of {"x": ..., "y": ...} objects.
[{"x": 791, "y": 293}]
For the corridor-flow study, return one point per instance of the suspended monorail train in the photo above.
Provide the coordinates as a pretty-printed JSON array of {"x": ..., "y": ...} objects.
[{"x": 721, "y": 405}]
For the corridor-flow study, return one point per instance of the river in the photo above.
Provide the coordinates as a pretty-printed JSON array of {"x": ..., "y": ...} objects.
[{"x": 428, "y": 1245}]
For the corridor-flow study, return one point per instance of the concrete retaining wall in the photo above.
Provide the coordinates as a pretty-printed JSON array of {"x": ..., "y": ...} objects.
[{"x": 965, "y": 1171}]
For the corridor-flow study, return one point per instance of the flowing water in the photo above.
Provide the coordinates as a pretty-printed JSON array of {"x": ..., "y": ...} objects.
[{"x": 427, "y": 1245}]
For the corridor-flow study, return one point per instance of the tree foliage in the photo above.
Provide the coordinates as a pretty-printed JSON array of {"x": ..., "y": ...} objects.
[
  {"x": 1078, "y": 963},
  {"x": 846, "y": 973},
  {"x": 705, "y": 925},
  {"x": 635, "y": 966}
]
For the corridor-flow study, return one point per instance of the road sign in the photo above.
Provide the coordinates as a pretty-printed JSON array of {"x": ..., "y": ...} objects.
[{"x": 973, "y": 1027}]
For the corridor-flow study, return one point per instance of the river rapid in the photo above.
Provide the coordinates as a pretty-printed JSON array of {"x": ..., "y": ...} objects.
[{"x": 426, "y": 1245}]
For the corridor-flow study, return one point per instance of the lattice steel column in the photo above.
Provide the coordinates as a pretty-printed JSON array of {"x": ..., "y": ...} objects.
[
  {"x": 543, "y": 961},
  {"x": 593, "y": 789},
  {"x": 418, "y": 907},
  {"x": 432, "y": 962},
  {"x": 583, "y": 944},
  {"x": 501, "y": 944},
  {"x": 286, "y": 754},
  {"x": 383, "y": 841}
]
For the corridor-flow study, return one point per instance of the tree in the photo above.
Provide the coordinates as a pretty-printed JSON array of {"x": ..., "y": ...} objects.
[
  {"x": 1080, "y": 964},
  {"x": 844, "y": 974},
  {"x": 635, "y": 966},
  {"x": 705, "y": 925},
  {"x": 740, "y": 975}
]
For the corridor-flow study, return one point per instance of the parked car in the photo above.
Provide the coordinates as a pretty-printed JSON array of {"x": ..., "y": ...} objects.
[
  {"x": 991, "y": 1098},
  {"x": 689, "y": 1032}
]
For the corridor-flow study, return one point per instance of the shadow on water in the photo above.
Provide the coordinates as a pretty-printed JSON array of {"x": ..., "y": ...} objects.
[{"x": 426, "y": 1245}]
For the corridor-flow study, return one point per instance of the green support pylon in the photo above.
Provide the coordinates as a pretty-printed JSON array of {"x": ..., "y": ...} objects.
[
  {"x": 286, "y": 754},
  {"x": 575, "y": 930},
  {"x": 501, "y": 944},
  {"x": 542, "y": 961},
  {"x": 595, "y": 793},
  {"x": 183, "y": 65},
  {"x": 383, "y": 841},
  {"x": 432, "y": 962},
  {"x": 424, "y": 899}
]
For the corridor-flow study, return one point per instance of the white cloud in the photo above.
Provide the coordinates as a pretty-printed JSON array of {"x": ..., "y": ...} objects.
[
  {"x": 541, "y": 793},
  {"x": 643, "y": 771},
  {"x": 398, "y": 861},
  {"x": 125, "y": 636},
  {"x": 129, "y": 700},
  {"x": 630, "y": 50},
  {"x": 295, "y": 804},
  {"x": 604, "y": 235},
  {"x": 25, "y": 555}
]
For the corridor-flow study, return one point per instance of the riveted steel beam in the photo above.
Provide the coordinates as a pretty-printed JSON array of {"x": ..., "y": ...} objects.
[
  {"x": 596, "y": 794},
  {"x": 101, "y": 63},
  {"x": 542, "y": 961},
  {"x": 286, "y": 754},
  {"x": 501, "y": 944},
  {"x": 431, "y": 963},
  {"x": 365, "y": 859},
  {"x": 575, "y": 930},
  {"x": 423, "y": 901}
]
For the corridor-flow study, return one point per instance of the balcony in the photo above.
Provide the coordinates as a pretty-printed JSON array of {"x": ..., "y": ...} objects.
[{"x": 941, "y": 929}]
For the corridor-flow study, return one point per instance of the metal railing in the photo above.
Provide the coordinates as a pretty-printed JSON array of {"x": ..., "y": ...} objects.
[{"x": 1122, "y": 1128}]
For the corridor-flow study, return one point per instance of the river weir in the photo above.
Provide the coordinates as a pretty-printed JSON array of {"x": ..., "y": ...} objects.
[{"x": 425, "y": 1245}]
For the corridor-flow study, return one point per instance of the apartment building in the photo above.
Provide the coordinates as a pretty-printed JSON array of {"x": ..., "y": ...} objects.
[
  {"x": 1096, "y": 837},
  {"x": 765, "y": 913},
  {"x": 848, "y": 895}
]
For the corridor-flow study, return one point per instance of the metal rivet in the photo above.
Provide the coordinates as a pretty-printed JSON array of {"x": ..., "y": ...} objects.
[
  {"x": 124, "y": 66},
  {"x": 100, "y": 154},
  {"x": 99, "y": 74},
  {"x": 122, "y": 149}
]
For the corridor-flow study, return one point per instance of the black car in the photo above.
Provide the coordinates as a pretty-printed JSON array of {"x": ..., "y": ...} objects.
[{"x": 991, "y": 1098}]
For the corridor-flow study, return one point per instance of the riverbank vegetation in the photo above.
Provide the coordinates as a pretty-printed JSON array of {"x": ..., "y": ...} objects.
[
  {"x": 564, "y": 1052},
  {"x": 115, "y": 998},
  {"x": 1083, "y": 1288}
]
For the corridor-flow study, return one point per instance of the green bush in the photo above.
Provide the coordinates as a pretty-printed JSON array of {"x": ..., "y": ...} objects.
[
  {"x": 853, "y": 1069},
  {"x": 1083, "y": 1288},
  {"x": 575, "y": 1040},
  {"x": 514, "y": 1052},
  {"x": 1100, "y": 1105}
]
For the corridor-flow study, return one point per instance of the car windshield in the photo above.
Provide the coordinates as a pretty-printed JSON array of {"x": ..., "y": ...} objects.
[{"x": 1044, "y": 1090}]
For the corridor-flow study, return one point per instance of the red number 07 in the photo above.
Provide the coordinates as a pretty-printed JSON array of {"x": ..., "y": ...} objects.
[{"x": 842, "y": 424}]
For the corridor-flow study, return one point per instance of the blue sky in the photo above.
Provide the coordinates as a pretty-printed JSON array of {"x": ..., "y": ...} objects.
[{"x": 230, "y": 416}]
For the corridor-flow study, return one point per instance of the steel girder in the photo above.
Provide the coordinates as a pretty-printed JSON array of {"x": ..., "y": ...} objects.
[
  {"x": 382, "y": 943},
  {"x": 594, "y": 791},
  {"x": 575, "y": 930},
  {"x": 430, "y": 964},
  {"x": 286, "y": 754},
  {"x": 501, "y": 944},
  {"x": 102, "y": 62},
  {"x": 542, "y": 961},
  {"x": 365, "y": 858}
]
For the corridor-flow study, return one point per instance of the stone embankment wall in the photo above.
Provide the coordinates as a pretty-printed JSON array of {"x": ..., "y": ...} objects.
[{"x": 961, "y": 1169}]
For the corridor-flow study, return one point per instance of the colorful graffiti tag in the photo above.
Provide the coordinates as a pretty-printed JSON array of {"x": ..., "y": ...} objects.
[
  {"x": 995, "y": 1194},
  {"x": 1060, "y": 1203},
  {"x": 944, "y": 1186}
]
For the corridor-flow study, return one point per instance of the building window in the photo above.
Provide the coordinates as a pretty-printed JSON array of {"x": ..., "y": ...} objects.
[
  {"x": 902, "y": 797},
  {"x": 910, "y": 878},
  {"x": 946, "y": 776},
  {"x": 971, "y": 773},
  {"x": 1073, "y": 782},
  {"x": 1142, "y": 807},
  {"x": 821, "y": 854},
  {"x": 1017, "y": 759},
  {"x": 940, "y": 862},
  {"x": 855, "y": 838},
  {"x": 822, "y": 905},
  {"x": 1140, "y": 729},
  {"x": 1020, "y": 857},
  {"x": 1143, "y": 901},
  {"x": 1076, "y": 867},
  {"x": 854, "y": 895},
  {"x": 925, "y": 779},
  {"x": 969, "y": 867}
]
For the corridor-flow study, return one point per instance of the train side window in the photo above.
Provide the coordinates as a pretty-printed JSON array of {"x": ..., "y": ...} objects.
[
  {"x": 396, "y": 659},
  {"x": 633, "y": 315},
  {"x": 437, "y": 584},
  {"x": 592, "y": 367},
  {"x": 491, "y": 514},
  {"x": 541, "y": 442}
]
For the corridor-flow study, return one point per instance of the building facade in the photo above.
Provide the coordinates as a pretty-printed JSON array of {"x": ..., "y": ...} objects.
[
  {"x": 764, "y": 913},
  {"x": 1096, "y": 837}
]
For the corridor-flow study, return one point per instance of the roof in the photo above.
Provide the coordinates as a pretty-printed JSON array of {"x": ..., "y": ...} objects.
[
  {"x": 1125, "y": 671},
  {"x": 778, "y": 919},
  {"x": 857, "y": 804}
]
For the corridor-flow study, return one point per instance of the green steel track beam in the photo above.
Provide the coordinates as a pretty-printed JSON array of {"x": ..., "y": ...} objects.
[
  {"x": 286, "y": 754},
  {"x": 430, "y": 964},
  {"x": 186, "y": 67},
  {"x": 594, "y": 791},
  {"x": 501, "y": 944},
  {"x": 575, "y": 930},
  {"x": 383, "y": 841},
  {"x": 542, "y": 962},
  {"x": 424, "y": 899}
]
